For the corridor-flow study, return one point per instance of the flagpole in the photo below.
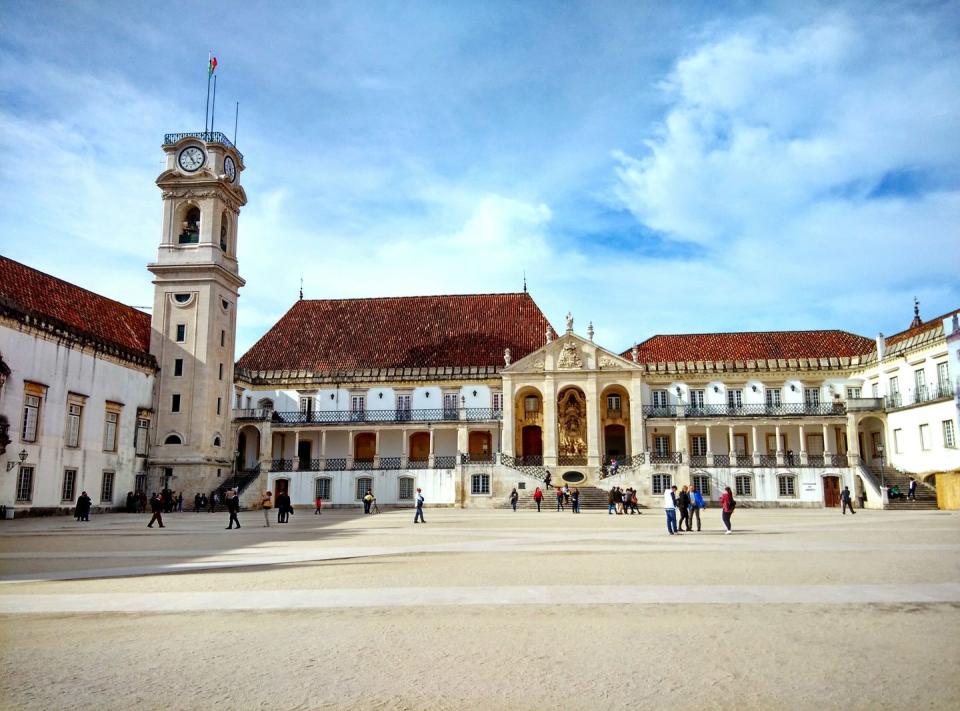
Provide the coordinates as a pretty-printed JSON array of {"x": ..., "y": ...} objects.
[
  {"x": 236, "y": 120},
  {"x": 213, "y": 111},
  {"x": 206, "y": 116}
]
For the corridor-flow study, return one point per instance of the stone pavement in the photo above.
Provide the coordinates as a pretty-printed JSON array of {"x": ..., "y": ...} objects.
[{"x": 492, "y": 609}]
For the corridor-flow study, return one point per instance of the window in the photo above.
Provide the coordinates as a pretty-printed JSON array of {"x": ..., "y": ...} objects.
[
  {"x": 406, "y": 489},
  {"x": 223, "y": 232},
  {"x": 31, "y": 418},
  {"x": 787, "y": 486},
  {"x": 613, "y": 402},
  {"x": 450, "y": 405},
  {"x": 480, "y": 484},
  {"x": 661, "y": 483},
  {"x": 894, "y": 385},
  {"x": 772, "y": 397},
  {"x": 306, "y": 406},
  {"x": 811, "y": 396},
  {"x": 181, "y": 298},
  {"x": 173, "y": 439},
  {"x": 220, "y": 372},
  {"x": 920, "y": 382},
  {"x": 106, "y": 488},
  {"x": 140, "y": 436},
  {"x": 177, "y": 367},
  {"x": 949, "y": 438},
  {"x": 223, "y": 338},
  {"x": 74, "y": 413},
  {"x": 531, "y": 403},
  {"x": 701, "y": 482},
  {"x": 698, "y": 445},
  {"x": 357, "y": 403},
  {"x": 696, "y": 398},
  {"x": 219, "y": 404},
  {"x": 110, "y": 432},
  {"x": 191, "y": 227},
  {"x": 175, "y": 403},
  {"x": 403, "y": 406},
  {"x": 743, "y": 485},
  {"x": 181, "y": 332},
  {"x": 853, "y": 393},
  {"x": 69, "y": 488},
  {"x": 661, "y": 445},
  {"x": 139, "y": 483},
  {"x": 924, "y": 436},
  {"x": 498, "y": 402},
  {"x": 364, "y": 484},
  {"x": 735, "y": 398},
  {"x": 217, "y": 441},
  {"x": 943, "y": 377},
  {"x": 897, "y": 443},
  {"x": 875, "y": 389},
  {"x": 321, "y": 488},
  {"x": 659, "y": 398},
  {"x": 25, "y": 484}
]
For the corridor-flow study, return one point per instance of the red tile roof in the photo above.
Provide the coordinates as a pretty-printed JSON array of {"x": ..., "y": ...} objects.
[
  {"x": 91, "y": 316},
  {"x": 758, "y": 345},
  {"x": 322, "y": 336},
  {"x": 929, "y": 324}
]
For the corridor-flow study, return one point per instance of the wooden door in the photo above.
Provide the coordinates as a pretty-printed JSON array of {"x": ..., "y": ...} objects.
[
  {"x": 479, "y": 446},
  {"x": 532, "y": 439},
  {"x": 420, "y": 446},
  {"x": 815, "y": 444},
  {"x": 365, "y": 446},
  {"x": 280, "y": 486},
  {"x": 740, "y": 443},
  {"x": 831, "y": 491},
  {"x": 615, "y": 437}
]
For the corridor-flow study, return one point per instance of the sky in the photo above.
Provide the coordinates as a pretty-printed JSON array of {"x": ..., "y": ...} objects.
[{"x": 651, "y": 167}]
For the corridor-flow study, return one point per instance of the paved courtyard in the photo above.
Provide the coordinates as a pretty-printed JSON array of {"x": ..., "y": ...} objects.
[{"x": 482, "y": 609}]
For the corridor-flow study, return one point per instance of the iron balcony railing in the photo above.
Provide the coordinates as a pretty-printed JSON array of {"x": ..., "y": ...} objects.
[
  {"x": 859, "y": 404},
  {"x": 768, "y": 460},
  {"x": 205, "y": 136},
  {"x": 444, "y": 461},
  {"x": 839, "y": 460},
  {"x": 466, "y": 458},
  {"x": 786, "y": 410},
  {"x": 666, "y": 457},
  {"x": 893, "y": 401},
  {"x": 931, "y": 393},
  {"x": 258, "y": 413},
  {"x": 281, "y": 465},
  {"x": 571, "y": 460},
  {"x": 340, "y": 417}
]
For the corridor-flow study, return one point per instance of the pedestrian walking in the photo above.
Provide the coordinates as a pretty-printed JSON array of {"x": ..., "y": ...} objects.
[
  {"x": 367, "y": 502},
  {"x": 418, "y": 515},
  {"x": 83, "y": 507},
  {"x": 282, "y": 504},
  {"x": 514, "y": 498},
  {"x": 538, "y": 497},
  {"x": 559, "y": 499},
  {"x": 319, "y": 504},
  {"x": 546, "y": 480},
  {"x": 214, "y": 500},
  {"x": 683, "y": 505},
  {"x": 156, "y": 506},
  {"x": 618, "y": 499},
  {"x": 670, "y": 507},
  {"x": 611, "y": 499},
  {"x": 847, "y": 500},
  {"x": 233, "y": 506},
  {"x": 727, "y": 505},
  {"x": 180, "y": 502},
  {"x": 197, "y": 503},
  {"x": 912, "y": 490},
  {"x": 634, "y": 508},
  {"x": 575, "y": 499},
  {"x": 266, "y": 503},
  {"x": 696, "y": 503}
]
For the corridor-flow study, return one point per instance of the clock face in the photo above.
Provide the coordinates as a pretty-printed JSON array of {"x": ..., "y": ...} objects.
[
  {"x": 191, "y": 158},
  {"x": 230, "y": 169}
]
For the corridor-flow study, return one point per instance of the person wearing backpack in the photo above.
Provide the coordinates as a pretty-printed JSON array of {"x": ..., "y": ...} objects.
[
  {"x": 727, "y": 504},
  {"x": 514, "y": 498},
  {"x": 696, "y": 503}
]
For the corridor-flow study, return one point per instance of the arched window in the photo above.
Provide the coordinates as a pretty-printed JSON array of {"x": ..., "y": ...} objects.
[
  {"x": 265, "y": 403},
  {"x": 173, "y": 439},
  {"x": 216, "y": 441},
  {"x": 191, "y": 226},
  {"x": 224, "y": 229}
]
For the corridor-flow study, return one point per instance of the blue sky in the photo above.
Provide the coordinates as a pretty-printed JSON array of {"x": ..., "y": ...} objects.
[{"x": 653, "y": 167}]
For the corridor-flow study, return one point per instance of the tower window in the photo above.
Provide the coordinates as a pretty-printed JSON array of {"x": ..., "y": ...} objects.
[
  {"x": 191, "y": 227},
  {"x": 220, "y": 374},
  {"x": 173, "y": 439},
  {"x": 219, "y": 404},
  {"x": 175, "y": 403},
  {"x": 223, "y": 338},
  {"x": 178, "y": 367},
  {"x": 181, "y": 332},
  {"x": 182, "y": 298}
]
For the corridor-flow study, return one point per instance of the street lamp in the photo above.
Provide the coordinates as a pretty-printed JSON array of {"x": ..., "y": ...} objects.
[
  {"x": 22, "y": 457},
  {"x": 883, "y": 482}
]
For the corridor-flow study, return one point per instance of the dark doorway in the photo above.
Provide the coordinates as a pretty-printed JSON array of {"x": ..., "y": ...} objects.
[
  {"x": 831, "y": 491},
  {"x": 532, "y": 438},
  {"x": 615, "y": 440},
  {"x": 303, "y": 454}
]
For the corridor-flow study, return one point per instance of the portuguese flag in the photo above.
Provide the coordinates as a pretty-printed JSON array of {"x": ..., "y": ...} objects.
[{"x": 211, "y": 64}]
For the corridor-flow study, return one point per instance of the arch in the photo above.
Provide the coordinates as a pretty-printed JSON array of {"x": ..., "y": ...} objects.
[
  {"x": 480, "y": 446},
  {"x": 248, "y": 446},
  {"x": 615, "y": 421},
  {"x": 872, "y": 440},
  {"x": 528, "y": 422},
  {"x": 571, "y": 426},
  {"x": 217, "y": 441},
  {"x": 364, "y": 447},
  {"x": 225, "y": 232},
  {"x": 280, "y": 486},
  {"x": 173, "y": 438},
  {"x": 419, "y": 447},
  {"x": 265, "y": 403},
  {"x": 188, "y": 220}
]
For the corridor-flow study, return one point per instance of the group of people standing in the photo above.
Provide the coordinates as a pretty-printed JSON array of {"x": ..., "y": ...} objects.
[
  {"x": 689, "y": 502},
  {"x": 620, "y": 501},
  {"x": 566, "y": 496}
]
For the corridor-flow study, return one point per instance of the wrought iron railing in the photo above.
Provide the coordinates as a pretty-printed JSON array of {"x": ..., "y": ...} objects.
[
  {"x": 391, "y": 463},
  {"x": 205, "y": 136},
  {"x": 768, "y": 460},
  {"x": 418, "y": 464},
  {"x": 785, "y": 410},
  {"x": 466, "y": 458},
  {"x": 341, "y": 417},
  {"x": 839, "y": 460},
  {"x": 893, "y": 401},
  {"x": 931, "y": 393},
  {"x": 310, "y": 465},
  {"x": 666, "y": 457},
  {"x": 535, "y": 470},
  {"x": 614, "y": 413},
  {"x": 258, "y": 413},
  {"x": 366, "y": 463},
  {"x": 721, "y": 460},
  {"x": 335, "y": 464},
  {"x": 698, "y": 460},
  {"x": 815, "y": 460},
  {"x": 442, "y": 461},
  {"x": 571, "y": 460},
  {"x": 281, "y": 465}
]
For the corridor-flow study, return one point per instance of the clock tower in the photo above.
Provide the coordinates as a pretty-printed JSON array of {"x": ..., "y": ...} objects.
[{"x": 197, "y": 283}]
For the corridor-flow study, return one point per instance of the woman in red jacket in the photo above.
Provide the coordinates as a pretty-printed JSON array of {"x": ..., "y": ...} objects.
[
  {"x": 727, "y": 504},
  {"x": 538, "y": 497}
]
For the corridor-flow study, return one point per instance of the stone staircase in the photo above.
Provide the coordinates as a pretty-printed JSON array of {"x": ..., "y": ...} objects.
[
  {"x": 926, "y": 494},
  {"x": 592, "y": 498}
]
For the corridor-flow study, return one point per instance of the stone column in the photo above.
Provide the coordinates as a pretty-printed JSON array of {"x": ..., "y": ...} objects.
[
  {"x": 853, "y": 442},
  {"x": 350, "y": 450},
  {"x": 432, "y": 440},
  {"x": 709, "y": 447},
  {"x": 404, "y": 449},
  {"x": 463, "y": 441},
  {"x": 803, "y": 446},
  {"x": 509, "y": 419},
  {"x": 754, "y": 447},
  {"x": 637, "y": 440},
  {"x": 780, "y": 453},
  {"x": 593, "y": 422},
  {"x": 549, "y": 423},
  {"x": 376, "y": 449},
  {"x": 827, "y": 449},
  {"x": 730, "y": 450},
  {"x": 296, "y": 451}
]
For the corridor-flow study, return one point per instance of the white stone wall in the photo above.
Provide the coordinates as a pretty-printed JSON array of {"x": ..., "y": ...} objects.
[
  {"x": 438, "y": 485},
  {"x": 64, "y": 370}
]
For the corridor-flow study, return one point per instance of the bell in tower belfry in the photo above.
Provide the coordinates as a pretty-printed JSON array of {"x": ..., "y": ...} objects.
[{"x": 197, "y": 284}]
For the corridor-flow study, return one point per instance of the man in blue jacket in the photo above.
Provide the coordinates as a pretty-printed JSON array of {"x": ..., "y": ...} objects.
[
  {"x": 418, "y": 516},
  {"x": 696, "y": 503}
]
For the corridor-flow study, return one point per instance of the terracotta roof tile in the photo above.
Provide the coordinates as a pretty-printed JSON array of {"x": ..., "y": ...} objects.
[
  {"x": 323, "y": 336},
  {"x": 84, "y": 312},
  {"x": 929, "y": 324},
  {"x": 757, "y": 345}
]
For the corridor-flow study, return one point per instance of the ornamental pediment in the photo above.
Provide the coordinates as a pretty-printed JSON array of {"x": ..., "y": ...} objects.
[{"x": 570, "y": 352}]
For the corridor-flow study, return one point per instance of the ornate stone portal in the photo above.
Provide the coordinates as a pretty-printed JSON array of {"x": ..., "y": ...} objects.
[{"x": 572, "y": 423}]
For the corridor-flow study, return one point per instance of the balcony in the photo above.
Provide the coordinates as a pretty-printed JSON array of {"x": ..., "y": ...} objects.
[
  {"x": 341, "y": 417},
  {"x": 920, "y": 396},
  {"x": 787, "y": 410},
  {"x": 255, "y": 414},
  {"x": 864, "y": 404},
  {"x": 666, "y": 457},
  {"x": 205, "y": 136}
]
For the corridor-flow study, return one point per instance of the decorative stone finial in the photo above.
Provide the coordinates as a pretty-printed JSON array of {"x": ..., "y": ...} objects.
[
  {"x": 569, "y": 322},
  {"x": 916, "y": 314},
  {"x": 590, "y": 330},
  {"x": 549, "y": 334},
  {"x": 506, "y": 356},
  {"x": 634, "y": 354}
]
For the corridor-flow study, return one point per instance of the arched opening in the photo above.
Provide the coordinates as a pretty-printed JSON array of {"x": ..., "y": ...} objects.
[
  {"x": 615, "y": 422},
  {"x": 528, "y": 424},
  {"x": 480, "y": 446},
  {"x": 419, "y": 452},
  {"x": 224, "y": 231},
  {"x": 190, "y": 225},
  {"x": 571, "y": 427},
  {"x": 280, "y": 486},
  {"x": 248, "y": 446},
  {"x": 614, "y": 441},
  {"x": 173, "y": 439},
  {"x": 531, "y": 445},
  {"x": 217, "y": 441},
  {"x": 872, "y": 442},
  {"x": 364, "y": 448}
]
